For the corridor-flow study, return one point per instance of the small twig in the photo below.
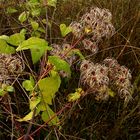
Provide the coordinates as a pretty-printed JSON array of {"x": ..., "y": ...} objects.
[
  {"x": 58, "y": 113},
  {"x": 30, "y": 125}
]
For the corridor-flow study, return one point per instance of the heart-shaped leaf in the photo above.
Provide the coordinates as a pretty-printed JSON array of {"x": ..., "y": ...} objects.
[
  {"x": 65, "y": 30},
  {"x": 49, "y": 86},
  {"x": 37, "y": 46},
  {"x": 60, "y": 64}
]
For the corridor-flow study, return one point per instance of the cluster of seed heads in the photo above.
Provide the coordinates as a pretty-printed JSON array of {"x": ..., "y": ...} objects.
[
  {"x": 95, "y": 78},
  {"x": 99, "y": 78},
  {"x": 10, "y": 67},
  {"x": 120, "y": 78},
  {"x": 95, "y": 24}
]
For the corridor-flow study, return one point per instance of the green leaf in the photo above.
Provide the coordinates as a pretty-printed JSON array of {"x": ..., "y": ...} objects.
[
  {"x": 23, "y": 16},
  {"x": 49, "y": 115},
  {"x": 4, "y": 37},
  {"x": 34, "y": 101},
  {"x": 37, "y": 46},
  {"x": 52, "y": 3},
  {"x": 11, "y": 10},
  {"x": 2, "y": 92},
  {"x": 10, "y": 88},
  {"x": 27, "y": 117},
  {"x": 36, "y": 34},
  {"x": 32, "y": 80},
  {"x": 23, "y": 31},
  {"x": 65, "y": 30},
  {"x": 49, "y": 86},
  {"x": 28, "y": 85},
  {"x": 5, "y": 48},
  {"x": 41, "y": 29},
  {"x": 16, "y": 39},
  {"x": 111, "y": 93},
  {"x": 34, "y": 25},
  {"x": 36, "y": 12},
  {"x": 78, "y": 52},
  {"x": 75, "y": 96},
  {"x": 42, "y": 106},
  {"x": 59, "y": 64}
]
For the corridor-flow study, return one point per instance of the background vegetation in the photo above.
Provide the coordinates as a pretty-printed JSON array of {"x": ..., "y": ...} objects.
[{"x": 85, "y": 119}]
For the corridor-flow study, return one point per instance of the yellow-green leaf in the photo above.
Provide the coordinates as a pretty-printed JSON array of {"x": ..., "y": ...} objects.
[
  {"x": 65, "y": 30},
  {"x": 49, "y": 86},
  {"x": 5, "y": 48},
  {"x": 34, "y": 101},
  {"x": 111, "y": 93},
  {"x": 75, "y": 96},
  {"x": 23, "y": 16},
  {"x": 60, "y": 64},
  {"x": 37, "y": 46},
  {"x": 27, "y": 117},
  {"x": 27, "y": 84},
  {"x": 52, "y": 3},
  {"x": 34, "y": 25},
  {"x": 48, "y": 114},
  {"x": 16, "y": 39}
]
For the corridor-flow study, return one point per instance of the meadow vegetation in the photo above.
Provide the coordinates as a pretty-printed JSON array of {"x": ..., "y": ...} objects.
[{"x": 69, "y": 69}]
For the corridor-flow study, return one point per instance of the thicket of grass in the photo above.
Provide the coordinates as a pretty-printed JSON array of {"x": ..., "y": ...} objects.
[{"x": 88, "y": 119}]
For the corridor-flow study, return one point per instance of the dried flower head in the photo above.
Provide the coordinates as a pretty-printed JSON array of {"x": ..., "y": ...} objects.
[
  {"x": 99, "y": 78},
  {"x": 89, "y": 45},
  {"x": 96, "y": 24},
  {"x": 120, "y": 78},
  {"x": 77, "y": 29},
  {"x": 94, "y": 77},
  {"x": 99, "y": 21},
  {"x": 10, "y": 67}
]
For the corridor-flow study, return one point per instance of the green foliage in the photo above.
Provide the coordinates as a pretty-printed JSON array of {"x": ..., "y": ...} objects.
[
  {"x": 11, "y": 10},
  {"x": 41, "y": 93},
  {"x": 52, "y": 2},
  {"x": 47, "y": 89},
  {"x": 5, "y": 48},
  {"x": 77, "y": 52},
  {"x": 37, "y": 46},
  {"x": 34, "y": 25},
  {"x": 64, "y": 30},
  {"x": 48, "y": 114},
  {"x": 28, "y": 117},
  {"x": 10, "y": 89},
  {"x": 16, "y": 39},
  {"x": 75, "y": 96},
  {"x": 23, "y": 31},
  {"x": 27, "y": 84},
  {"x": 49, "y": 86},
  {"x": 34, "y": 101},
  {"x": 4, "y": 37},
  {"x": 49, "y": 2},
  {"x": 59, "y": 64},
  {"x": 23, "y": 16},
  {"x": 5, "y": 89},
  {"x": 2, "y": 92}
]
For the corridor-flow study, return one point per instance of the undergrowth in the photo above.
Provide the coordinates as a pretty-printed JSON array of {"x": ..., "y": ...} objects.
[{"x": 69, "y": 70}]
